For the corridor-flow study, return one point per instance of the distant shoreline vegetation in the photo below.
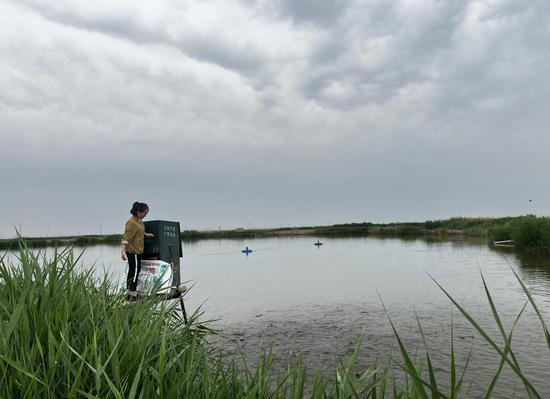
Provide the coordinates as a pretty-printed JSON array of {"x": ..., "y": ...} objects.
[{"x": 527, "y": 232}]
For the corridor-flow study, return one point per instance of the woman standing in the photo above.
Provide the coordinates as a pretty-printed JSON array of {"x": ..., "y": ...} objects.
[{"x": 132, "y": 244}]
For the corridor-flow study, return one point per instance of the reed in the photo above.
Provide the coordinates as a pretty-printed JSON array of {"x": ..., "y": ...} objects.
[
  {"x": 529, "y": 232},
  {"x": 65, "y": 334}
]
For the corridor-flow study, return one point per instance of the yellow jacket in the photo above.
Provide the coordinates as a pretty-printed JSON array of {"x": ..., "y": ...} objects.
[{"x": 134, "y": 233}]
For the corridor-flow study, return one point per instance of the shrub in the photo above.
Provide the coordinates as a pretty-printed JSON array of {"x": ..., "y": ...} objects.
[
  {"x": 532, "y": 232},
  {"x": 500, "y": 233}
]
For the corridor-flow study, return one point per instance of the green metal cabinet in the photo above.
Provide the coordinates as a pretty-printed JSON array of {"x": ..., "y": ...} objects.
[{"x": 165, "y": 245}]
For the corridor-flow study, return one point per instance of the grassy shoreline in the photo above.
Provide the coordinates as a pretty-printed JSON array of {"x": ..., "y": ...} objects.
[
  {"x": 64, "y": 334},
  {"x": 527, "y": 232}
]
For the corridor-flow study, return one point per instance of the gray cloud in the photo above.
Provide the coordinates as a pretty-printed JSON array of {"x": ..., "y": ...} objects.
[
  {"x": 292, "y": 113},
  {"x": 210, "y": 47},
  {"x": 322, "y": 12},
  {"x": 379, "y": 61}
]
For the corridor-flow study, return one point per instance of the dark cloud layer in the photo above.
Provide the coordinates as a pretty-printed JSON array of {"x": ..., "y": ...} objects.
[
  {"x": 272, "y": 112},
  {"x": 322, "y": 12}
]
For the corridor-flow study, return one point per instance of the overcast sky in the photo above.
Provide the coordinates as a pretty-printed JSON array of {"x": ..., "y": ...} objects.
[{"x": 271, "y": 112}]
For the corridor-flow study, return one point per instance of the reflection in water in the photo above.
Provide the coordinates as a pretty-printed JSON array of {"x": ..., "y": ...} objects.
[
  {"x": 529, "y": 262},
  {"x": 534, "y": 263}
]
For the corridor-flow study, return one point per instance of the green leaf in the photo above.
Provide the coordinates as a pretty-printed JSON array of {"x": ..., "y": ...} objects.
[
  {"x": 17, "y": 366},
  {"x": 531, "y": 391},
  {"x": 14, "y": 319},
  {"x": 137, "y": 377}
]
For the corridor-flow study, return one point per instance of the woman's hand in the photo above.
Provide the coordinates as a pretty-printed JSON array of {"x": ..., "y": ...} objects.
[
  {"x": 149, "y": 235},
  {"x": 123, "y": 250}
]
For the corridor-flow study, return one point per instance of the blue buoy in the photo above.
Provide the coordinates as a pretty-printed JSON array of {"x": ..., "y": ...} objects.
[
  {"x": 318, "y": 243},
  {"x": 246, "y": 251}
]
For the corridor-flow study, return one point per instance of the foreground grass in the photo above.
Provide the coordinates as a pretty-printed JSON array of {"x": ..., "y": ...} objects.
[{"x": 63, "y": 334}]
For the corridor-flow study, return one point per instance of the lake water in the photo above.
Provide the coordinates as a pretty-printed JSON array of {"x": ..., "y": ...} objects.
[{"x": 315, "y": 303}]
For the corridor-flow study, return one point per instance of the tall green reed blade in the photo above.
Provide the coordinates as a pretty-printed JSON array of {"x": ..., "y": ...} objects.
[
  {"x": 385, "y": 377},
  {"x": 507, "y": 349},
  {"x": 463, "y": 374},
  {"x": 453, "y": 363},
  {"x": 417, "y": 381},
  {"x": 135, "y": 383},
  {"x": 396, "y": 395},
  {"x": 433, "y": 382},
  {"x": 531, "y": 391},
  {"x": 352, "y": 385},
  {"x": 98, "y": 372},
  {"x": 21, "y": 369},
  {"x": 507, "y": 337},
  {"x": 298, "y": 381},
  {"x": 88, "y": 395},
  {"x": 13, "y": 322},
  {"x": 532, "y": 301},
  {"x": 318, "y": 388}
]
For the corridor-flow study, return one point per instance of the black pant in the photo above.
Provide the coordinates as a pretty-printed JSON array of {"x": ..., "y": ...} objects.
[{"x": 134, "y": 267}]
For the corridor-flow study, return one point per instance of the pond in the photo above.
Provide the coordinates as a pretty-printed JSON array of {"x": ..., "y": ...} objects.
[{"x": 315, "y": 303}]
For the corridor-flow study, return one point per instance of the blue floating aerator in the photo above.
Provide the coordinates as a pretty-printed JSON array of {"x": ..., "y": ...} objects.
[{"x": 246, "y": 251}]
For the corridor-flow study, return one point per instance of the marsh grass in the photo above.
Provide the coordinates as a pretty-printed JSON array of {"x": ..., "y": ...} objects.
[
  {"x": 531, "y": 232},
  {"x": 528, "y": 232},
  {"x": 43, "y": 242},
  {"x": 64, "y": 334}
]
